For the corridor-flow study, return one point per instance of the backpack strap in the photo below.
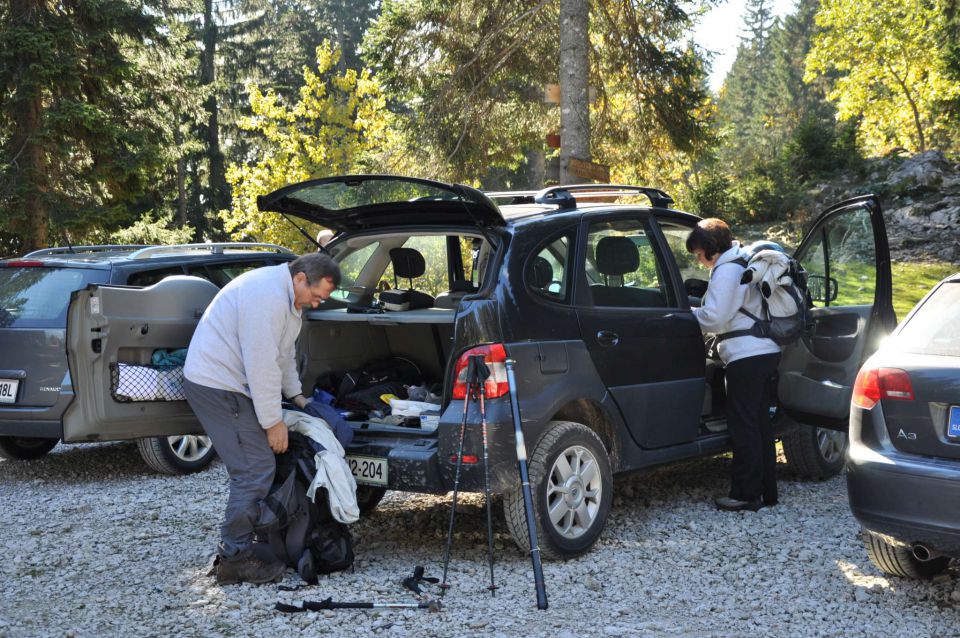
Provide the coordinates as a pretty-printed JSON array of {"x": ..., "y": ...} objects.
[{"x": 740, "y": 261}]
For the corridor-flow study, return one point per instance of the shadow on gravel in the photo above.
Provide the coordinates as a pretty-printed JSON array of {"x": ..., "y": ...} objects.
[{"x": 80, "y": 463}]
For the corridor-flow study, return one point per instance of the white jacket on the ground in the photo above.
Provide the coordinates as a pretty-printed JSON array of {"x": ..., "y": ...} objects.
[{"x": 333, "y": 472}]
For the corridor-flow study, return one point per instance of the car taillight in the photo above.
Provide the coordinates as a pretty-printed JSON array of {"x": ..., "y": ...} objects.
[
  {"x": 495, "y": 356},
  {"x": 876, "y": 384},
  {"x": 23, "y": 263}
]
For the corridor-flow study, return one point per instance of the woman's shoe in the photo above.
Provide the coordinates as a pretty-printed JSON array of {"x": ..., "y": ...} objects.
[{"x": 728, "y": 504}]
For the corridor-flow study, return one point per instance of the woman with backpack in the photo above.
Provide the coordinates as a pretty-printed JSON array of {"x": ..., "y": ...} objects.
[{"x": 749, "y": 362}]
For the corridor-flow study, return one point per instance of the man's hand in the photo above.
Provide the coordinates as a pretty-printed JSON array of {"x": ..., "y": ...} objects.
[
  {"x": 277, "y": 437},
  {"x": 300, "y": 401}
]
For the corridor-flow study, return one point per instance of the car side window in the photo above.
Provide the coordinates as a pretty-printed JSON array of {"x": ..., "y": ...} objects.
[
  {"x": 690, "y": 268},
  {"x": 150, "y": 277},
  {"x": 222, "y": 274},
  {"x": 841, "y": 262},
  {"x": 622, "y": 267},
  {"x": 546, "y": 273}
]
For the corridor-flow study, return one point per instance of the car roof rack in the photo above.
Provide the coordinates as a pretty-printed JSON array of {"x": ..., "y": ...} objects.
[
  {"x": 215, "y": 248},
  {"x": 68, "y": 250},
  {"x": 563, "y": 196}
]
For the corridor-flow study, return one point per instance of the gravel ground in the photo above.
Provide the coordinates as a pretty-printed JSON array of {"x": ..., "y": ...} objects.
[{"x": 97, "y": 545}]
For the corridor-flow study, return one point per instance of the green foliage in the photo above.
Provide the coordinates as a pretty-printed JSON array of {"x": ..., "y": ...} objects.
[
  {"x": 888, "y": 75},
  {"x": 149, "y": 231},
  {"x": 79, "y": 140},
  {"x": 339, "y": 125}
]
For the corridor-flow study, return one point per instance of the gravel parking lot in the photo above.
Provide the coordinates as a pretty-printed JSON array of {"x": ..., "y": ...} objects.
[{"x": 94, "y": 544}]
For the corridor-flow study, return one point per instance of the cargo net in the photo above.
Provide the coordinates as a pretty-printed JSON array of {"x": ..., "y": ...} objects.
[{"x": 129, "y": 383}]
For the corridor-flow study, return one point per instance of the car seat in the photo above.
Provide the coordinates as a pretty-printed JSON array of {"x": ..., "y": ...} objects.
[
  {"x": 615, "y": 257},
  {"x": 409, "y": 264},
  {"x": 541, "y": 274}
]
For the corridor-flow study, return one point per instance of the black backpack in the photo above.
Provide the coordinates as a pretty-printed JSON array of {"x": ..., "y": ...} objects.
[
  {"x": 784, "y": 298},
  {"x": 300, "y": 532}
]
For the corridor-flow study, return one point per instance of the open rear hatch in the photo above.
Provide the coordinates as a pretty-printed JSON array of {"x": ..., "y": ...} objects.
[{"x": 362, "y": 202}]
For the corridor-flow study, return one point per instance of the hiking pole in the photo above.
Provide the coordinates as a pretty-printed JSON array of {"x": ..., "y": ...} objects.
[
  {"x": 456, "y": 485},
  {"x": 482, "y": 373},
  {"x": 328, "y": 603},
  {"x": 525, "y": 488}
]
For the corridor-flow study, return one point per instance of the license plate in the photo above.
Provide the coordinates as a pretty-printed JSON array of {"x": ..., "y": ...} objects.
[
  {"x": 369, "y": 470},
  {"x": 8, "y": 390},
  {"x": 953, "y": 424}
]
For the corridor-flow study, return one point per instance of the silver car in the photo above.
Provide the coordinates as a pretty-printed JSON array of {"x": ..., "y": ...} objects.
[{"x": 37, "y": 407}]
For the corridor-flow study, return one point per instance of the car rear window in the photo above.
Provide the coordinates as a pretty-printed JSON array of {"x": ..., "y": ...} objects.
[
  {"x": 935, "y": 327},
  {"x": 37, "y": 297}
]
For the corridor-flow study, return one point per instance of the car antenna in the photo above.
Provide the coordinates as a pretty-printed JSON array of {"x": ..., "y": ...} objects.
[
  {"x": 476, "y": 222},
  {"x": 305, "y": 234}
]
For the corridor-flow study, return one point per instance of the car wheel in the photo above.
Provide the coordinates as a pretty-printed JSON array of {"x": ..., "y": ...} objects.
[
  {"x": 572, "y": 489},
  {"x": 22, "y": 448},
  {"x": 368, "y": 497},
  {"x": 814, "y": 453},
  {"x": 181, "y": 454},
  {"x": 899, "y": 561}
]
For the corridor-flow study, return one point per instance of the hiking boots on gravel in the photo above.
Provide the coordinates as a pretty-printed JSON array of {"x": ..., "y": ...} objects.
[{"x": 247, "y": 567}]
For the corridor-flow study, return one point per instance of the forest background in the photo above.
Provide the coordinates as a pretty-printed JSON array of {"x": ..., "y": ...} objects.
[{"x": 160, "y": 121}]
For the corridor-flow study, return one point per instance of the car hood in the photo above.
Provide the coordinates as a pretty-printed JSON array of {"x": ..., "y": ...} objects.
[{"x": 362, "y": 202}]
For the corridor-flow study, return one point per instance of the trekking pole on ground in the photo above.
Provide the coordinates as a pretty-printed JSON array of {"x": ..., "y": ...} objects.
[
  {"x": 320, "y": 605},
  {"x": 482, "y": 374},
  {"x": 456, "y": 485},
  {"x": 525, "y": 488}
]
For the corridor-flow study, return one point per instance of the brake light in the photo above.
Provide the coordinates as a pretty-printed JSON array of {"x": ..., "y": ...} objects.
[
  {"x": 495, "y": 356},
  {"x": 876, "y": 384},
  {"x": 23, "y": 263},
  {"x": 466, "y": 459}
]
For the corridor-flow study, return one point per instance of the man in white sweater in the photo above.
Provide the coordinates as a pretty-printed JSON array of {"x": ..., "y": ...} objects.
[{"x": 240, "y": 364}]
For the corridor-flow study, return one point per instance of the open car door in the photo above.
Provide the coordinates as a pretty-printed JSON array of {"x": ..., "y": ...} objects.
[
  {"x": 847, "y": 259},
  {"x": 112, "y": 335}
]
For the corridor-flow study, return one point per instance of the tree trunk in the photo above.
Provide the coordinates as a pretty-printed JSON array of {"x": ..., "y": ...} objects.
[
  {"x": 574, "y": 78},
  {"x": 26, "y": 153},
  {"x": 218, "y": 180},
  {"x": 181, "y": 174}
]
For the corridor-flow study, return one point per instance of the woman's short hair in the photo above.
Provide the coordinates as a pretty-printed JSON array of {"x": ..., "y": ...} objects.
[
  {"x": 316, "y": 266},
  {"x": 712, "y": 236}
]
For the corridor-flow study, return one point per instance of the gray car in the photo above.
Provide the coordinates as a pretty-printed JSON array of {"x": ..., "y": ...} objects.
[
  {"x": 904, "y": 455},
  {"x": 36, "y": 391}
]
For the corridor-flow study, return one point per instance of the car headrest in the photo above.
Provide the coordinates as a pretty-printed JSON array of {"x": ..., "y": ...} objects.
[
  {"x": 541, "y": 272},
  {"x": 617, "y": 255},
  {"x": 407, "y": 262}
]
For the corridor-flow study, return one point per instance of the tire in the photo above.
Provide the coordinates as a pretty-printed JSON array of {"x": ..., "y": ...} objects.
[
  {"x": 900, "y": 561},
  {"x": 22, "y": 448},
  {"x": 814, "y": 453},
  {"x": 563, "y": 457},
  {"x": 368, "y": 497},
  {"x": 181, "y": 454}
]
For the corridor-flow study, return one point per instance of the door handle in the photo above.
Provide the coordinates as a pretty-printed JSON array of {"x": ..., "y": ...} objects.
[{"x": 608, "y": 338}]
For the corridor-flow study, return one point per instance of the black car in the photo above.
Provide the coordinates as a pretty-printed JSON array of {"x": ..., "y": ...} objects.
[
  {"x": 904, "y": 457},
  {"x": 592, "y": 301},
  {"x": 36, "y": 391}
]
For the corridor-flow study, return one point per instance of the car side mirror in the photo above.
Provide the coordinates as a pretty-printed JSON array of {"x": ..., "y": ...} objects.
[{"x": 818, "y": 288}]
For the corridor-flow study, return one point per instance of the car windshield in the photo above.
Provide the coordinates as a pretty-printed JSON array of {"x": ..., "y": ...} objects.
[
  {"x": 35, "y": 297},
  {"x": 935, "y": 327}
]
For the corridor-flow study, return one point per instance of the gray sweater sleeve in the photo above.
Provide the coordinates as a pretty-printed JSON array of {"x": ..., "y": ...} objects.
[{"x": 724, "y": 298}]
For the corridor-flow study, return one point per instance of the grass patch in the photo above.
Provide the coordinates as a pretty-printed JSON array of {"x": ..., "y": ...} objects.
[{"x": 912, "y": 281}]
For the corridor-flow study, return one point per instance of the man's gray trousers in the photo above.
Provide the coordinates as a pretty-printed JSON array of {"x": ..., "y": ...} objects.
[{"x": 229, "y": 420}]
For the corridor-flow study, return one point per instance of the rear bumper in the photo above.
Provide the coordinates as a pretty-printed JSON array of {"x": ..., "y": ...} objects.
[
  {"x": 38, "y": 422},
  {"x": 910, "y": 499},
  {"x": 427, "y": 463}
]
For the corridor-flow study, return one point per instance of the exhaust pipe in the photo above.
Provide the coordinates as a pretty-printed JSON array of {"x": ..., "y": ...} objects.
[{"x": 923, "y": 553}]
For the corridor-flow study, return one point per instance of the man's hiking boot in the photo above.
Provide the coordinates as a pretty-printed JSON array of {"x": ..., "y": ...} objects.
[{"x": 247, "y": 567}]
